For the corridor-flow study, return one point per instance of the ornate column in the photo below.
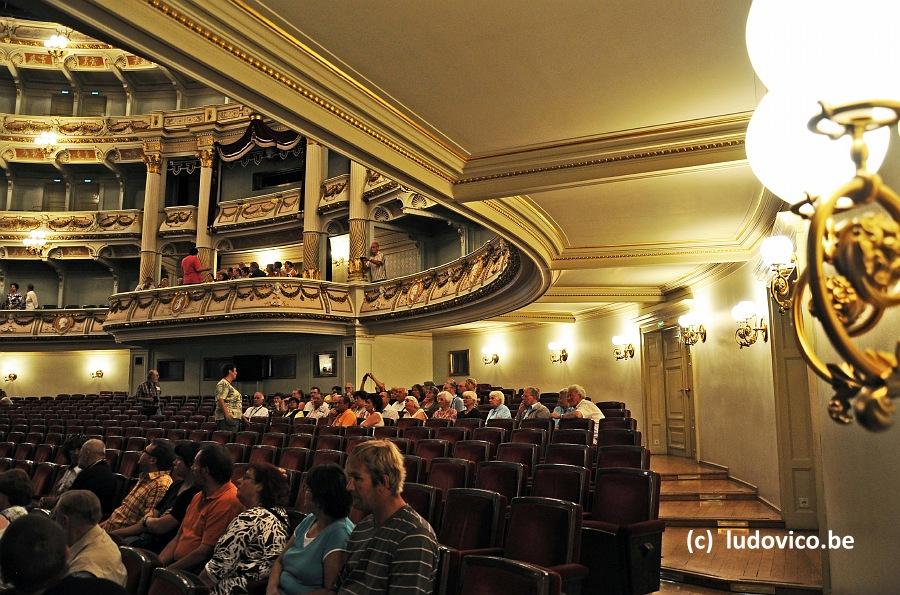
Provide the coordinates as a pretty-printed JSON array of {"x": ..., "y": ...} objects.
[
  {"x": 316, "y": 172},
  {"x": 152, "y": 191},
  {"x": 205, "y": 248},
  {"x": 358, "y": 222}
]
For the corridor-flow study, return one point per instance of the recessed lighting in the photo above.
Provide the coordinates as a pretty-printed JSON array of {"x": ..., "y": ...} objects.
[
  {"x": 57, "y": 179},
  {"x": 87, "y": 180},
  {"x": 95, "y": 92},
  {"x": 64, "y": 92}
]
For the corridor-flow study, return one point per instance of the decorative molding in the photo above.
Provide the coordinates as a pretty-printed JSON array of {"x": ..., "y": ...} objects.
[
  {"x": 257, "y": 211},
  {"x": 50, "y": 325},
  {"x": 578, "y": 295}
]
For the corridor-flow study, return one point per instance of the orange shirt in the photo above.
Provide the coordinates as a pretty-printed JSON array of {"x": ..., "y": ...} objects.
[
  {"x": 345, "y": 419},
  {"x": 206, "y": 519}
]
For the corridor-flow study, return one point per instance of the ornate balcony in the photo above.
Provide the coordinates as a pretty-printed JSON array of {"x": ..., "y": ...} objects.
[
  {"x": 50, "y": 325},
  {"x": 179, "y": 221},
  {"x": 256, "y": 211},
  {"x": 68, "y": 234}
]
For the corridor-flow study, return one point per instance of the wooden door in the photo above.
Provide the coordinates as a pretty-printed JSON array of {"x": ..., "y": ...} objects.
[
  {"x": 654, "y": 393},
  {"x": 678, "y": 397}
]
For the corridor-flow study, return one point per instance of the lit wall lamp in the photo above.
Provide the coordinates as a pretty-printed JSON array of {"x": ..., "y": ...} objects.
[
  {"x": 11, "y": 377},
  {"x": 691, "y": 329},
  {"x": 778, "y": 254},
  {"x": 47, "y": 141},
  {"x": 489, "y": 356},
  {"x": 36, "y": 242},
  {"x": 624, "y": 348},
  {"x": 853, "y": 263},
  {"x": 750, "y": 325},
  {"x": 558, "y": 353},
  {"x": 97, "y": 374},
  {"x": 56, "y": 46}
]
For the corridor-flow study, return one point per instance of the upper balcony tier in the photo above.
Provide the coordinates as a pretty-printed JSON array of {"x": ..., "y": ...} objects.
[
  {"x": 53, "y": 325},
  {"x": 492, "y": 280}
]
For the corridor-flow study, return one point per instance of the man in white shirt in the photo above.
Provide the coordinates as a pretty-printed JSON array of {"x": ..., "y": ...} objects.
[
  {"x": 584, "y": 408},
  {"x": 388, "y": 411},
  {"x": 258, "y": 409},
  {"x": 31, "y": 299},
  {"x": 317, "y": 406},
  {"x": 498, "y": 409}
]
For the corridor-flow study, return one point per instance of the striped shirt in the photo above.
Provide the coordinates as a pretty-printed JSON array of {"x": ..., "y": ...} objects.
[{"x": 400, "y": 556}]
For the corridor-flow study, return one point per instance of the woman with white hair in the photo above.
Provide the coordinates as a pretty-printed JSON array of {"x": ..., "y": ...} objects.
[
  {"x": 470, "y": 406},
  {"x": 444, "y": 410},
  {"x": 498, "y": 409},
  {"x": 412, "y": 409}
]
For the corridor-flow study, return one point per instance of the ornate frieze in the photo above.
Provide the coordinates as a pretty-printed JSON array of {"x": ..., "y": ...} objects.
[
  {"x": 68, "y": 225},
  {"x": 178, "y": 221},
  {"x": 258, "y": 210},
  {"x": 43, "y": 325}
]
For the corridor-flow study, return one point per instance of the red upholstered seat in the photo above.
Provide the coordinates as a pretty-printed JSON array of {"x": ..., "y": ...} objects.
[
  {"x": 294, "y": 458},
  {"x": 519, "y": 452},
  {"x": 329, "y": 442},
  {"x": 564, "y": 482},
  {"x": 572, "y": 436},
  {"x": 618, "y": 436},
  {"x": 636, "y": 457},
  {"x": 322, "y": 457},
  {"x": 263, "y": 453},
  {"x": 425, "y": 500},
  {"x": 505, "y": 478},
  {"x": 488, "y": 575},
  {"x": 446, "y": 473},
  {"x": 472, "y": 450}
]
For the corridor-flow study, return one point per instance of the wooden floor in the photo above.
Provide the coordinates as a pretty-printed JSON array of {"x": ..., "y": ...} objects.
[{"x": 702, "y": 499}]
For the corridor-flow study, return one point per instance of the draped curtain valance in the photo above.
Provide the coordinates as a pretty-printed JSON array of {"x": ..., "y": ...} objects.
[{"x": 258, "y": 134}]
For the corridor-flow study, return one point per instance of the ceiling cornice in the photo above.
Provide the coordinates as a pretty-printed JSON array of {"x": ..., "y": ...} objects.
[{"x": 590, "y": 295}]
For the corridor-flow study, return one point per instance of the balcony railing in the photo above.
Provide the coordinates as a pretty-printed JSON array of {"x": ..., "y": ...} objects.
[
  {"x": 268, "y": 209},
  {"x": 178, "y": 221},
  {"x": 69, "y": 323}
]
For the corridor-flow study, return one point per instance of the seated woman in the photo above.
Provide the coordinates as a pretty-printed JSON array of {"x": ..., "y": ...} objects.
[
  {"x": 359, "y": 406},
  {"x": 412, "y": 409},
  {"x": 373, "y": 412},
  {"x": 15, "y": 495},
  {"x": 161, "y": 525},
  {"x": 315, "y": 554},
  {"x": 445, "y": 411},
  {"x": 255, "y": 538},
  {"x": 429, "y": 400},
  {"x": 470, "y": 402}
]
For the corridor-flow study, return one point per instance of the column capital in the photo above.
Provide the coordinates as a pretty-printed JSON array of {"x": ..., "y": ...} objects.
[
  {"x": 153, "y": 162},
  {"x": 206, "y": 157}
]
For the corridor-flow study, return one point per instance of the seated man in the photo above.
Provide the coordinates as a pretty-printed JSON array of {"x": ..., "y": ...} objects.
[
  {"x": 155, "y": 464},
  {"x": 33, "y": 560},
  {"x": 584, "y": 408},
  {"x": 317, "y": 407},
  {"x": 96, "y": 474},
  {"x": 392, "y": 550},
  {"x": 258, "y": 409},
  {"x": 209, "y": 513},
  {"x": 343, "y": 414},
  {"x": 531, "y": 406},
  {"x": 91, "y": 551}
]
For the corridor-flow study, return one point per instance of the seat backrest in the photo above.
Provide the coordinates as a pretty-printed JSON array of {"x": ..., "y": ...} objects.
[
  {"x": 139, "y": 564},
  {"x": 354, "y": 441},
  {"x": 198, "y": 435},
  {"x": 321, "y": 457},
  {"x": 408, "y": 422},
  {"x": 332, "y": 430},
  {"x": 416, "y": 433},
  {"x": 43, "y": 478},
  {"x": 431, "y": 449},
  {"x": 610, "y": 405},
  {"x": 472, "y": 450},
  {"x": 543, "y": 531},
  {"x": 128, "y": 462},
  {"x": 618, "y": 436},
  {"x": 294, "y": 457},
  {"x": 329, "y": 442},
  {"x": 538, "y": 424},
  {"x": 506, "y": 424},
  {"x": 222, "y": 436},
  {"x": 452, "y": 434},
  {"x": 469, "y": 422},
  {"x": 23, "y": 451},
  {"x": 276, "y": 439},
  {"x": 472, "y": 519},
  {"x": 263, "y": 453},
  {"x": 565, "y": 482},
  {"x": 519, "y": 452},
  {"x": 425, "y": 500},
  {"x": 572, "y": 436},
  {"x": 112, "y": 457},
  {"x": 173, "y": 582},
  {"x": 569, "y": 454},
  {"x": 623, "y": 455},
  {"x": 505, "y": 478},
  {"x": 357, "y": 431},
  {"x": 626, "y": 496},
  {"x": 301, "y": 440},
  {"x": 238, "y": 452},
  {"x": 487, "y": 575},
  {"x": 447, "y": 473},
  {"x": 44, "y": 453},
  {"x": 247, "y": 437},
  {"x": 529, "y": 436},
  {"x": 415, "y": 468},
  {"x": 437, "y": 423},
  {"x": 625, "y": 423},
  {"x": 576, "y": 423},
  {"x": 491, "y": 434},
  {"x": 154, "y": 433},
  {"x": 383, "y": 432}
]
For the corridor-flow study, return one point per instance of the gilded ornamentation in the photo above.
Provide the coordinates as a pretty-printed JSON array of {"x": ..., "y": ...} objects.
[
  {"x": 63, "y": 323},
  {"x": 206, "y": 157},
  {"x": 278, "y": 207},
  {"x": 179, "y": 303},
  {"x": 153, "y": 162},
  {"x": 329, "y": 191}
]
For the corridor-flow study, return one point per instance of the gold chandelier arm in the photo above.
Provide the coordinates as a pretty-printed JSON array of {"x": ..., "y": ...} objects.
[
  {"x": 867, "y": 368},
  {"x": 812, "y": 360}
]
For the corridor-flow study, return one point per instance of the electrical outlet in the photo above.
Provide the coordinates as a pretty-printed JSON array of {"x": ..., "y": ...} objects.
[{"x": 803, "y": 502}]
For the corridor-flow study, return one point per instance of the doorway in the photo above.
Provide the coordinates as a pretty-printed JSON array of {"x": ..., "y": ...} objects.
[{"x": 668, "y": 393}]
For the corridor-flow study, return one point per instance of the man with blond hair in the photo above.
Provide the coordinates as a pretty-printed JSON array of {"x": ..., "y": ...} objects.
[{"x": 393, "y": 549}]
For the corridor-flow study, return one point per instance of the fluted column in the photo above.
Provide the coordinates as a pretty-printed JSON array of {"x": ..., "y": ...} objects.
[
  {"x": 206, "y": 252},
  {"x": 358, "y": 222},
  {"x": 152, "y": 191},
  {"x": 316, "y": 172}
]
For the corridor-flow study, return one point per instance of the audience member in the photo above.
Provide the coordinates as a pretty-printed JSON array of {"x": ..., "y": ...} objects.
[
  {"x": 14, "y": 299},
  {"x": 498, "y": 409},
  {"x": 256, "y": 537},
  {"x": 531, "y": 406},
  {"x": 470, "y": 409},
  {"x": 228, "y": 401},
  {"x": 343, "y": 415},
  {"x": 159, "y": 526},
  {"x": 444, "y": 410},
  {"x": 155, "y": 465},
  {"x": 258, "y": 409},
  {"x": 388, "y": 411},
  {"x": 562, "y": 406},
  {"x": 148, "y": 394},
  {"x": 293, "y": 408},
  {"x": 393, "y": 549},
  {"x": 301, "y": 398},
  {"x": 428, "y": 401},
  {"x": 412, "y": 409},
  {"x": 374, "y": 264},
  {"x": 373, "y": 419},
  {"x": 71, "y": 447},
  {"x": 584, "y": 408},
  {"x": 164, "y": 280},
  {"x": 146, "y": 284},
  {"x": 191, "y": 268},
  {"x": 33, "y": 559},
  {"x": 15, "y": 495},
  {"x": 96, "y": 475},
  {"x": 209, "y": 513},
  {"x": 278, "y": 407},
  {"x": 270, "y": 270},
  {"x": 279, "y": 272},
  {"x": 359, "y": 404},
  {"x": 254, "y": 271},
  {"x": 289, "y": 270},
  {"x": 456, "y": 402},
  {"x": 317, "y": 407},
  {"x": 91, "y": 551},
  {"x": 31, "y": 298},
  {"x": 317, "y": 550}
]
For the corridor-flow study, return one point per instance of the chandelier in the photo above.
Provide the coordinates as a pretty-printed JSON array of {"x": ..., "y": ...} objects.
[
  {"x": 36, "y": 242},
  {"x": 852, "y": 277},
  {"x": 56, "y": 46}
]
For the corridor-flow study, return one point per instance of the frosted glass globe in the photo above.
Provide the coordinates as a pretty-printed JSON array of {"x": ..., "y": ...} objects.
[
  {"x": 776, "y": 250},
  {"x": 811, "y": 45},
  {"x": 790, "y": 160},
  {"x": 743, "y": 311}
]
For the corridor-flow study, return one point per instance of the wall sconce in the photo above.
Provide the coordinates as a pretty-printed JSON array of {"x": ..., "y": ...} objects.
[
  {"x": 778, "y": 254},
  {"x": 801, "y": 156},
  {"x": 36, "y": 242},
  {"x": 558, "y": 353},
  {"x": 489, "y": 356},
  {"x": 11, "y": 377},
  {"x": 56, "y": 46},
  {"x": 624, "y": 348},
  {"x": 749, "y": 324},
  {"x": 47, "y": 141},
  {"x": 97, "y": 374},
  {"x": 691, "y": 329}
]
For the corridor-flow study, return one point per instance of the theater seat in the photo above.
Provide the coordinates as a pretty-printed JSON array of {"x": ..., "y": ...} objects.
[
  {"x": 505, "y": 478},
  {"x": 175, "y": 582},
  {"x": 446, "y": 473},
  {"x": 636, "y": 457},
  {"x": 425, "y": 500},
  {"x": 139, "y": 564},
  {"x": 489, "y": 575}
]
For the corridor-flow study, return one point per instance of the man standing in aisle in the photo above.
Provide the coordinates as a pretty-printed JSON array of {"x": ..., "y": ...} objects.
[{"x": 148, "y": 394}]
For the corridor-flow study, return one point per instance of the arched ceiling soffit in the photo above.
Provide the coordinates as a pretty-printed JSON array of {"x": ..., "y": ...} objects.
[{"x": 544, "y": 131}]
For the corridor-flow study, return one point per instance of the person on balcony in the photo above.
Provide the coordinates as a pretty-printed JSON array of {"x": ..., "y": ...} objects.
[
  {"x": 31, "y": 299},
  {"x": 191, "y": 268},
  {"x": 254, "y": 271},
  {"x": 14, "y": 299},
  {"x": 374, "y": 264},
  {"x": 147, "y": 284},
  {"x": 289, "y": 270}
]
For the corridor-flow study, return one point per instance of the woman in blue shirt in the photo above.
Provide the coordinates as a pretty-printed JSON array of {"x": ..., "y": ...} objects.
[{"x": 314, "y": 556}]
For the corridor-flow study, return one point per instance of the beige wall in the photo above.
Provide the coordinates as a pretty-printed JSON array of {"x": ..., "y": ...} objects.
[
  {"x": 52, "y": 372},
  {"x": 525, "y": 360},
  {"x": 401, "y": 360},
  {"x": 734, "y": 388}
]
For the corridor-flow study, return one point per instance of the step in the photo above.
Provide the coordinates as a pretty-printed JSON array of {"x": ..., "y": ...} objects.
[
  {"x": 678, "y": 468},
  {"x": 719, "y": 513},
  {"x": 705, "y": 489}
]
